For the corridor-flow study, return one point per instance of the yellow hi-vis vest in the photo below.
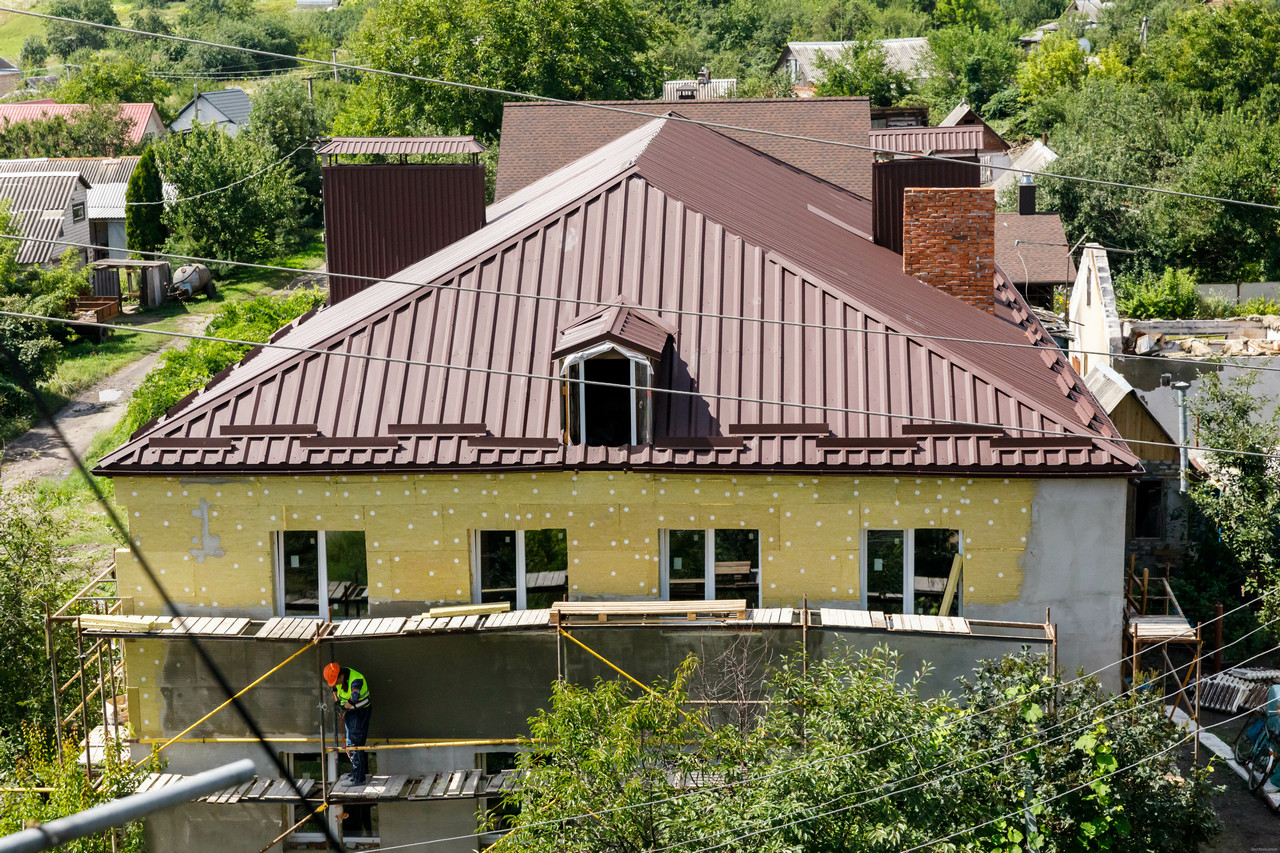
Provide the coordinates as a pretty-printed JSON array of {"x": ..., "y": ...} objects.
[{"x": 355, "y": 691}]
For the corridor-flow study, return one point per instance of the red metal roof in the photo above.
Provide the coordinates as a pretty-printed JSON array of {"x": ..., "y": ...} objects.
[
  {"x": 619, "y": 322},
  {"x": 669, "y": 217},
  {"x": 138, "y": 114},
  {"x": 937, "y": 140},
  {"x": 539, "y": 138},
  {"x": 402, "y": 145}
]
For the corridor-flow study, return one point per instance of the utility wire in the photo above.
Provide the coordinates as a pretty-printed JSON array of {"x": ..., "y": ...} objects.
[
  {"x": 28, "y": 385},
  {"x": 492, "y": 90},
  {"x": 250, "y": 177},
  {"x": 600, "y": 303}
]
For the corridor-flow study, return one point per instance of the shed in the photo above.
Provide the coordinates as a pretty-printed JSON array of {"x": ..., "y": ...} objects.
[
  {"x": 47, "y": 206},
  {"x": 1130, "y": 414}
]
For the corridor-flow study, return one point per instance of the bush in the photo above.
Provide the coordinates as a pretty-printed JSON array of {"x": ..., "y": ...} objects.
[{"x": 1172, "y": 296}]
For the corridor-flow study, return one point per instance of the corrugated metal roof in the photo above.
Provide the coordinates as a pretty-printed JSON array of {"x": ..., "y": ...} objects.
[
  {"x": 403, "y": 145},
  {"x": 232, "y": 102},
  {"x": 139, "y": 115},
  {"x": 538, "y": 138},
  {"x": 937, "y": 140},
  {"x": 620, "y": 322},
  {"x": 106, "y": 201},
  {"x": 1033, "y": 249},
  {"x": 669, "y": 216},
  {"x": 716, "y": 87},
  {"x": 1033, "y": 157},
  {"x": 906, "y": 55},
  {"x": 39, "y": 202}
]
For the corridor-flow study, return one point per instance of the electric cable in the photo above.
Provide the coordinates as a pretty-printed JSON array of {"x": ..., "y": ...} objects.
[
  {"x": 492, "y": 90},
  {"x": 250, "y": 177},
  {"x": 24, "y": 381},
  {"x": 683, "y": 312}
]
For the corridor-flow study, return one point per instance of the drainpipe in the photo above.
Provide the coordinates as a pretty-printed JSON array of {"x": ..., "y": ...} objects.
[{"x": 1181, "y": 388}]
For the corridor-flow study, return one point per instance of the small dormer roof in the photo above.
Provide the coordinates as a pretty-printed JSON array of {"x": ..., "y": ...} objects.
[{"x": 620, "y": 322}]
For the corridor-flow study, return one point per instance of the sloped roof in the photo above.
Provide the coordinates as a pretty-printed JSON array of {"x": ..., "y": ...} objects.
[
  {"x": 538, "y": 138},
  {"x": 402, "y": 145},
  {"x": 906, "y": 55},
  {"x": 232, "y": 103},
  {"x": 138, "y": 114},
  {"x": 1034, "y": 156},
  {"x": 1108, "y": 386},
  {"x": 620, "y": 322},
  {"x": 937, "y": 140},
  {"x": 7, "y": 67},
  {"x": 1033, "y": 249},
  {"x": 717, "y": 87},
  {"x": 39, "y": 202},
  {"x": 95, "y": 170},
  {"x": 669, "y": 215},
  {"x": 107, "y": 201}
]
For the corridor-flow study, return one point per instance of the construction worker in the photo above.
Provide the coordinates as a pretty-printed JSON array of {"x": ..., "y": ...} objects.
[{"x": 351, "y": 698}]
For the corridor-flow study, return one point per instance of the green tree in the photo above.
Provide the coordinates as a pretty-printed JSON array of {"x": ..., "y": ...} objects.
[
  {"x": 258, "y": 32},
  {"x": 1169, "y": 296},
  {"x": 66, "y": 38},
  {"x": 96, "y": 131},
  {"x": 971, "y": 65},
  {"x": 1240, "y": 497},
  {"x": 1057, "y": 64},
  {"x": 144, "y": 214},
  {"x": 285, "y": 119},
  {"x": 970, "y": 14},
  {"x": 862, "y": 69},
  {"x": 236, "y": 202},
  {"x": 35, "y": 53},
  {"x": 568, "y": 49},
  {"x": 125, "y": 81}
]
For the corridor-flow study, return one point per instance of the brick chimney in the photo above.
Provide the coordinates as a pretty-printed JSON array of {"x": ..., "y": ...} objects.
[{"x": 949, "y": 241}]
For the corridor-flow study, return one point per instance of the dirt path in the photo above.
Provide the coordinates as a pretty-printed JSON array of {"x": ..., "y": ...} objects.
[{"x": 38, "y": 454}]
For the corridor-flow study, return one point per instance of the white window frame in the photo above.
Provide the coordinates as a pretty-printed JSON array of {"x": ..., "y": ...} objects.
[
  {"x": 708, "y": 563},
  {"x": 908, "y": 569},
  {"x": 638, "y": 362},
  {"x": 322, "y": 573}
]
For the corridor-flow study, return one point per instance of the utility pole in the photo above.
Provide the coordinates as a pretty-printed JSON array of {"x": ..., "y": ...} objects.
[
  {"x": 311, "y": 90},
  {"x": 1181, "y": 388},
  {"x": 335, "y": 65}
]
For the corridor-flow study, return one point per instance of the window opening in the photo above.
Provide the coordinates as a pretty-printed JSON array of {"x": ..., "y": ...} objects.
[
  {"x": 1148, "y": 509},
  {"x": 711, "y": 565},
  {"x": 77, "y": 212},
  {"x": 322, "y": 573},
  {"x": 907, "y": 571},
  {"x": 497, "y": 809},
  {"x": 303, "y": 765},
  {"x": 607, "y": 397},
  {"x": 527, "y": 568}
]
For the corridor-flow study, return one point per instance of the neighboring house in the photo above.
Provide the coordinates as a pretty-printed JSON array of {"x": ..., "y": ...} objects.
[
  {"x": 1155, "y": 521},
  {"x": 108, "y": 180},
  {"x": 1032, "y": 249},
  {"x": 1026, "y": 159},
  {"x": 899, "y": 117},
  {"x": 800, "y": 60},
  {"x": 1091, "y": 311},
  {"x": 527, "y": 126},
  {"x": 962, "y": 134},
  {"x": 47, "y": 206},
  {"x": 10, "y": 76},
  {"x": 144, "y": 119},
  {"x": 700, "y": 89},
  {"x": 228, "y": 108},
  {"x": 779, "y": 481}
]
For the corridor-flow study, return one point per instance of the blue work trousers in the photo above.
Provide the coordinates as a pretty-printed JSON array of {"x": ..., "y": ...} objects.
[{"x": 356, "y": 723}]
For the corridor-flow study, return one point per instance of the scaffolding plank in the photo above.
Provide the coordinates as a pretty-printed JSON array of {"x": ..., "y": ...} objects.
[
  {"x": 422, "y": 790},
  {"x": 472, "y": 783},
  {"x": 259, "y": 786},
  {"x": 456, "y": 780},
  {"x": 441, "y": 785}
]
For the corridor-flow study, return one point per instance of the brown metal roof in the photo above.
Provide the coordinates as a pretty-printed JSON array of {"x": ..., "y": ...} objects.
[
  {"x": 1033, "y": 249},
  {"x": 402, "y": 145},
  {"x": 619, "y": 322},
  {"x": 937, "y": 140},
  {"x": 670, "y": 216},
  {"x": 538, "y": 138}
]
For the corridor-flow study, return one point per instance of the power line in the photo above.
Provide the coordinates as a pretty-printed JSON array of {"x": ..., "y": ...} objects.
[
  {"x": 28, "y": 385},
  {"x": 492, "y": 371},
  {"x": 475, "y": 87},
  {"x": 169, "y": 201},
  {"x": 599, "y": 303}
]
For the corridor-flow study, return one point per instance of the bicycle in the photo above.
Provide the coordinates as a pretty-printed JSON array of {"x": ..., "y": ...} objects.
[{"x": 1256, "y": 751}]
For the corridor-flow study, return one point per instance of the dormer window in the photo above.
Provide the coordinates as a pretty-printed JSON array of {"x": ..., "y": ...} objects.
[
  {"x": 608, "y": 363},
  {"x": 607, "y": 396}
]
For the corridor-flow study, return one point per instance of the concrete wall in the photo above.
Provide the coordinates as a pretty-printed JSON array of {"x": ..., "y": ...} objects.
[
  {"x": 1092, "y": 313},
  {"x": 200, "y": 827},
  {"x": 1238, "y": 292},
  {"x": 1074, "y": 564}
]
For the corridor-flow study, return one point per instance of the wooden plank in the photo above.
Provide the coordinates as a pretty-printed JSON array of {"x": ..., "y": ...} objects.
[
  {"x": 441, "y": 785},
  {"x": 422, "y": 790},
  {"x": 470, "y": 621},
  {"x": 456, "y": 780},
  {"x": 455, "y": 622},
  {"x": 471, "y": 609},
  {"x": 257, "y": 789},
  {"x": 472, "y": 783}
]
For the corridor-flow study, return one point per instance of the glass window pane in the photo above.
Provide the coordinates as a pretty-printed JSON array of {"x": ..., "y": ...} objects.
[
  {"x": 608, "y": 405},
  {"x": 686, "y": 568},
  {"x": 359, "y": 820},
  {"x": 738, "y": 565},
  {"x": 546, "y": 565},
  {"x": 348, "y": 574},
  {"x": 497, "y": 566},
  {"x": 885, "y": 551},
  {"x": 935, "y": 552},
  {"x": 301, "y": 573}
]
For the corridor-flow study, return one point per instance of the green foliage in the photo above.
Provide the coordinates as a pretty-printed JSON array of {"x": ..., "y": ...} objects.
[
  {"x": 972, "y": 65},
  {"x": 35, "y": 53},
  {"x": 970, "y": 14},
  {"x": 258, "y": 32},
  {"x": 849, "y": 756},
  {"x": 256, "y": 209},
  {"x": 32, "y": 291},
  {"x": 559, "y": 48},
  {"x": 144, "y": 217},
  {"x": 862, "y": 70},
  {"x": 65, "y": 39},
  {"x": 1171, "y": 296},
  {"x": 35, "y": 765},
  {"x": 182, "y": 371},
  {"x": 96, "y": 131},
  {"x": 125, "y": 81},
  {"x": 1057, "y": 64},
  {"x": 284, "y": 119},
  {"x": 1240, "y": 498}
]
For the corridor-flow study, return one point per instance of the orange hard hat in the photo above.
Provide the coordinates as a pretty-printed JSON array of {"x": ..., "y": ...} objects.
[{"x": 331, "y": 674}]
